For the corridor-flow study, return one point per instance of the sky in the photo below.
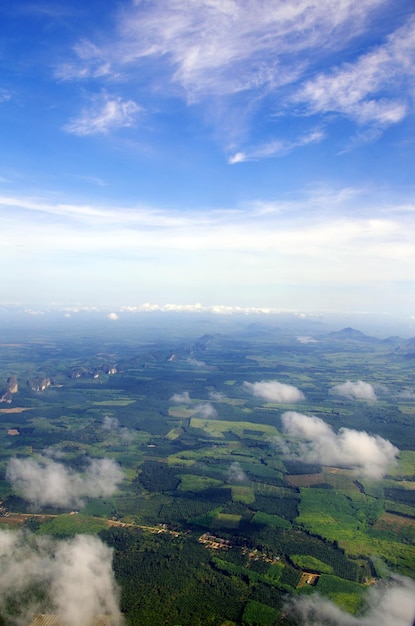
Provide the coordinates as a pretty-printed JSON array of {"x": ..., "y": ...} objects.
[{"x": 254, "y": 153}]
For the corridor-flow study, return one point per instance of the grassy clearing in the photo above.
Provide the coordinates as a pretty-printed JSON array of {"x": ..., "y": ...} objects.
[
  {"x": 243, "y": 494},
  {"x": 69, "y": 525},
  {"x": 342, "y": 479},
  {"x": 218, "y": 427},
  {"x": 257, "y": 613},
  {"x": 311, "y": 564},
  {"x": 191, "y": 482},
  {"x": 271, "y": 521},
  {"x": 182, "y": 412},
  {"x": 347, "y": 595},
  {"x": 174, "y": 433},
  {"x": 274, "y": 572},
  {"x": 226, "y": 520},
  {"x": 406, "y": 465},
  {"x": 305, "y": 480},
  {"x": 120, "y": 402},
  {"x": 401, "y": 509}
]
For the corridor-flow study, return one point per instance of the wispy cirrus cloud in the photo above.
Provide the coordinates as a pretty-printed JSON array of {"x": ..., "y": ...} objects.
[
  {"x": 88, "y": 63},
  {"x": 228, "y": 47},
  {"x": 105, "y": 114},
  {"x": 370, "y": 90},
  {"x": 5, "y": 95},
  {"x": 249, "y": 53},
  {"x": 276, "y": 148}
]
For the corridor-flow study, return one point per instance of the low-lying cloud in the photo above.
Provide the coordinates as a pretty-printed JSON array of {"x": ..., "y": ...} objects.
[
  {"x": 181, "y": 398},
  {"x": 314, "y": 441},
  {"x": 113, "y": 425},
  {"x": 390, "y": 604},
  {"x": 47, "y": 482},
  {"x": 74, "y": 579},
  {"x": 206, "y": 410},
  {"x": 274, "y": 391},
  {"x": 355, "y": 391},
  {"x": 217, "y": 396},
  {"x": 236, "y": 473}
]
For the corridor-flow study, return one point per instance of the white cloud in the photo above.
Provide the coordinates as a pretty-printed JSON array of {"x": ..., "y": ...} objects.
[
  {"x": 274, "y": 391},
  {"x": 355, "y": 390},
  {"x": 112, "y": 316},
  {"x": 113, "y": 425},
  {"x": 75, "y": 576},
  {"x": 367, "y": 89},
  {"x": 389, "y": 603},
  {"x": 236, "y": 473},
  {"x": 407, "y": 395},
  {"x": 181, "y": 398},
  {"x": 91, "y": 64},
  {"x": 306, "y": 339},
  {"x": 105, "y": 114},
  {"x": 5, "y": 95},
  {"x": 228, "y": 47},
  {"x": 110, "y": 423},
  {"x": 276, "y": 148},
  {"x": 45, "y": 481},
  {"x": 262, "y": 244},
  {"x": 248, "y": 53},
  {"x": 314, "y": 441},
  {"x": 217, "y": 396},
  {"x": 205, "y": 410},
  {"x": 197, "y": 363}
]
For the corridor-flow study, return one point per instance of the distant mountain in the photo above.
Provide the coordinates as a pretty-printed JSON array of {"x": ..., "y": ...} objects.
[
  {"x": 407, "y": 348},
  {"x": 350, "y": 334}
]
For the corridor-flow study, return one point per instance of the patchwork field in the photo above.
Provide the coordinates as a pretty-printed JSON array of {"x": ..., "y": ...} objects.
[{"x": 200, "y": 454}]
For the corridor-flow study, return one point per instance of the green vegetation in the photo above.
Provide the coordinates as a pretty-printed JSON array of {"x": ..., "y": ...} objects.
[
  {"x": 310, "y": 564},
  {"x": 256, "y": 613},
  {"x": 271, "y": 517},
  {"x": 64, "y": 526}
]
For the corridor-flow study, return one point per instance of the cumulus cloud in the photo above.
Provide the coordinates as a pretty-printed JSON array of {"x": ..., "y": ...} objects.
[
  {"x": 306, "y": 339},
  {"x": 74, "y": 578},
  {"x": 112, "y": 424},
  {"x": 45, "y": 481},
  {"x": 197, "y": 363},
  {"x": 112, "y": 316},
  {"x": 236, "y": 473},
  {"x": 355, "y": 390},
  {"x": 217, "y": 396},
  {"x": 181, "y": 398},
  {"x": 314, "y": 441},
  {"x": 407, "y": 395},
  {"x": 388, "y": 603},
  {"x": 273, "y": 391},
  {"x": 205, "y": 409}
]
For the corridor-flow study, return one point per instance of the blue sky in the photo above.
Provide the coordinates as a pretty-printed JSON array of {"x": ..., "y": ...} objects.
[{"x": 255, "y": 153}]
